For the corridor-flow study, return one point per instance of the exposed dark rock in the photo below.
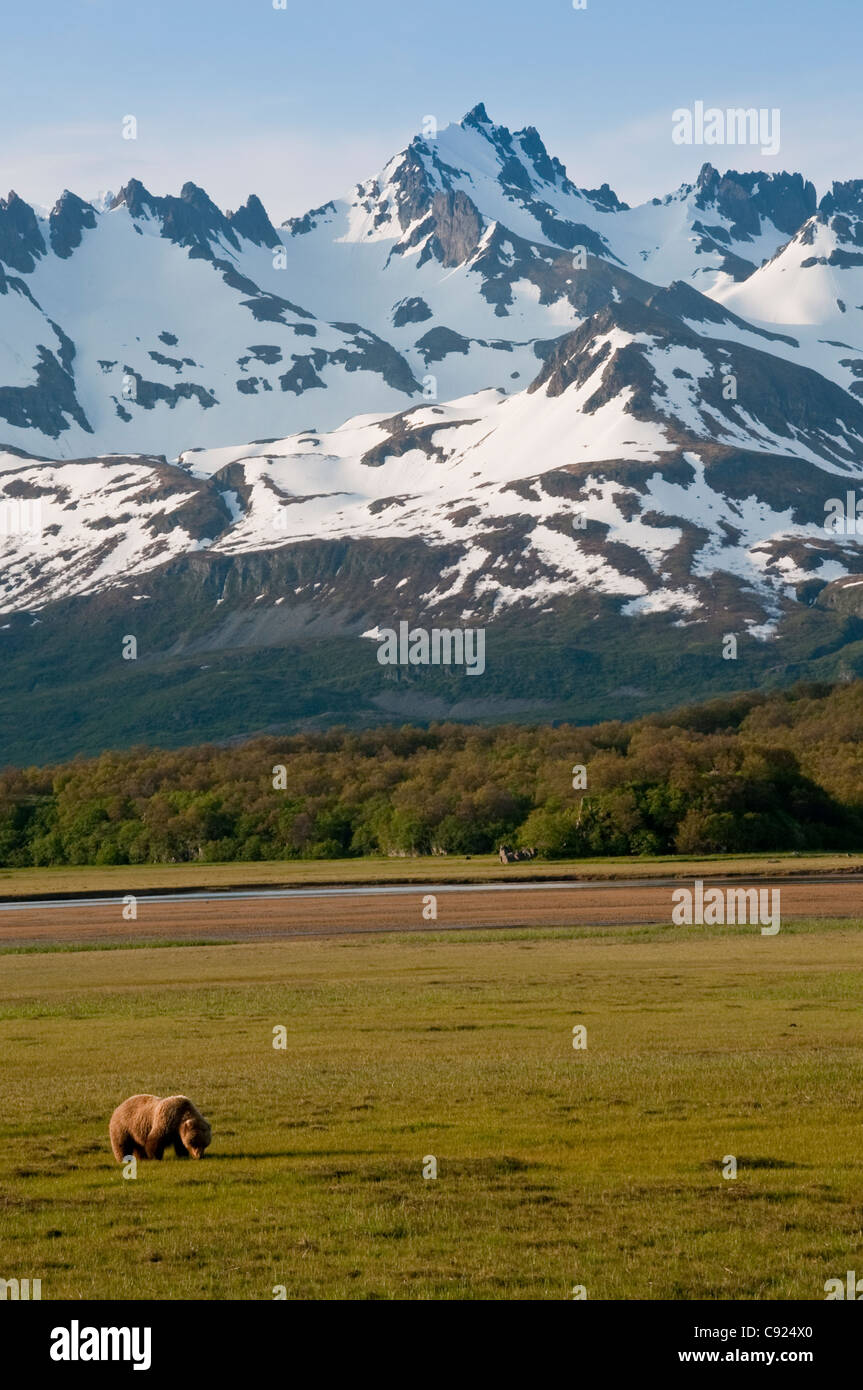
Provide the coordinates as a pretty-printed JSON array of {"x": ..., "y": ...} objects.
[
  {"x": 716, "y": 239},
  {"x": 148, "y": 393},
  {"x": 844, "y": 197},
  {"x": 192, "y": 220},
  {"x": 412, "y": 310},
  {"x": 790, "y": 400},
  {"x": 507, "y": 259},
  {"x": 372, "y": 354},
  {"x": 299, "y": 226},
  {"x": 47, "y": 406},
  {"x": 70, "y": 218},
  {"x": 303, "y": 375},
  {"x": 252, "y": 222},
  {"x": 683, "y": 301},
  {"x": 531, "y": 143},
  {"x": 570, "y": 234},
  {"x": 231, "y": 275},
  {"x": 514, "y": 177},
  {"x": 271, "y": 308},
  {"x": 458, "y": 227},
  {"x": 605, "y": 197},
  {"x": 786, "y": 199},
  {"x": 413, "y": 193},
  {"x": 404, "y": 437},
  {"x": 268, "y": 353},
  {"x": 21, "y": 241},
  {"x": 477, "y": 117},
  {"x": 438, "y": 343},
  {"x": 166, "y": 361},
  {"x": 136, "y": 198}
]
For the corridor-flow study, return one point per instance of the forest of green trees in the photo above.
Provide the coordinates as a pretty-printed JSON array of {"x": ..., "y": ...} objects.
[{"x": 757, "y": 772}]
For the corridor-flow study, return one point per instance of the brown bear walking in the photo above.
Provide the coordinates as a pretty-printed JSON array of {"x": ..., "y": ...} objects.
[{"x": 146, "y": 1125}]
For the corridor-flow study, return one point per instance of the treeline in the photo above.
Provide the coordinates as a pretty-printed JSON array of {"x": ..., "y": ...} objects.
[{"x": 759, "y": 772}]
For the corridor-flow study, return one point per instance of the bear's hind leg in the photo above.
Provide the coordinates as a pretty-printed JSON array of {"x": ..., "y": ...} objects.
[{"x": 120, "y": 1145}]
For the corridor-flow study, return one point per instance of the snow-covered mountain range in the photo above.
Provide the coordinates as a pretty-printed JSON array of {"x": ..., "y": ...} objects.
[{"x": 546, "y": 395}]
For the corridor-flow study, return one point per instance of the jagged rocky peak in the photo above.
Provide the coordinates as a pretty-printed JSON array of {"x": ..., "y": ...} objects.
[
  {"x": 309, "y": 222},
  {"x": 194, "y": 194},
  {"x": 251, "y": 221},
  {"x": 708, "y": 179},
  {"x": 21, "y": 241},
  {"x": 522, "y": 154},
  {"x": 439, "y": 190},
  {"x": 134, "y": 197},
  {"x": 845, "y": 198},
  {"x": 70, "y": 218},
  {"x": 534, "y": 255},
  {"x": 192, "y": 220},
  {"x": 531, "y": 143},
  {"x": 499, "y": 136},
  {"x": 575, "y": 356},
  {"x": 411, "y": 184},
  {"x": 525, "y": 161},
  {"x": 785, "y": 199},
  {"x": 477, "y": 117},
  {"x": 12, "y": 204},
  {"x": 605, "y": 197}
]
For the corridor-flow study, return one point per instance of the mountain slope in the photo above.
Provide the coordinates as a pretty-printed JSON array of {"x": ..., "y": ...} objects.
[
  {"x": 476, "y": 395},
  {"x": 161, "y": 323},
  {"x": 620, "y": 469}
]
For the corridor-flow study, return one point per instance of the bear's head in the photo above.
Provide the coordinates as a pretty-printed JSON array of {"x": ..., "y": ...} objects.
[{"x": 196, "y": 1135}]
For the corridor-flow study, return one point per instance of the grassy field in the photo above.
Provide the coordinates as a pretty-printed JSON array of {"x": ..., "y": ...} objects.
[
  {"x": 479, "y": 868},
  {"x": 600, "y": 1167}
]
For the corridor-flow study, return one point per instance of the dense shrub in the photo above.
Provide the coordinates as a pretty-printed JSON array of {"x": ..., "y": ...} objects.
[{"x": 754, "y": 773}]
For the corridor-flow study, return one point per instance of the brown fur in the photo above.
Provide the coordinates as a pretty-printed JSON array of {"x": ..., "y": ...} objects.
[{"x": 146, "y": 1125}]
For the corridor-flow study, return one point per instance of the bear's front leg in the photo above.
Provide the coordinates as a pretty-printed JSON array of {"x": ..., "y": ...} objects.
[
  {"x": 180, "y": 1149},
  {"x": 155, "y": 1148}
]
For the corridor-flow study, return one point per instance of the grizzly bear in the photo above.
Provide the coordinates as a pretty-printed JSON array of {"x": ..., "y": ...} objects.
[{"x": 146, "y": 1125}]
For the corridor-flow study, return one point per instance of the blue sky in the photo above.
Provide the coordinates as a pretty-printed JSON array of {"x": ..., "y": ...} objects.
[{"x": 299, "y": 104}]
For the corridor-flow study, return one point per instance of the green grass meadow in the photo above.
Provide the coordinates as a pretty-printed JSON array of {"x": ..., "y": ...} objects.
[
  {"x": 118, "y": 879},
  {"x": 557, "y": 1167}
]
